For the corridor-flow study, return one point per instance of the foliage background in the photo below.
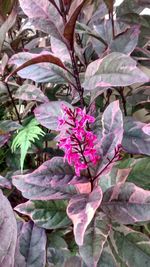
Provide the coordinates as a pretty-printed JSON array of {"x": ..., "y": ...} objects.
[{"x": 93, "y": 55}]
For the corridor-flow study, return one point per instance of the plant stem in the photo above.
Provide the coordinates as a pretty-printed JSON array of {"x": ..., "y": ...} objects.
[
  {"x": 121, "y": 92},
  {"x": 106, "y": 166},
  {"x": 76, "y": 75},
  {"x": 13, "y": 102}
]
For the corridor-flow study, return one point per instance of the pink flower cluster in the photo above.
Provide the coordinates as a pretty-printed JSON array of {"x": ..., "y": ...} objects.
[{"x": 76, "y": 140}]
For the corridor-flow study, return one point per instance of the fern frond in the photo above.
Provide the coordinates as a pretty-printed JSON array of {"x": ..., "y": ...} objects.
[{"x": 25, "y": 138}]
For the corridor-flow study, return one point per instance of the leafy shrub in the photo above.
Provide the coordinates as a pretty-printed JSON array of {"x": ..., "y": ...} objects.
[{"x": 74, "y": 133}]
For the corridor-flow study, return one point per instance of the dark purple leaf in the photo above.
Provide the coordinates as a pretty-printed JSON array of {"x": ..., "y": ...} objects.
[
  {"x": 136, "y": 139},
  {"x": 29, "y": 92},
  {"x": 8, "y": 233},
  {"x": 47, "y": 114},
  {"x": 116, "y": 69},
  {"x": 94, "y": 240},
  {"x": 81, "y": 210},
  {"x": 31, "y": 246},
  {"x": 127, "y": 204},
  {"x": 52, "y": 180}
]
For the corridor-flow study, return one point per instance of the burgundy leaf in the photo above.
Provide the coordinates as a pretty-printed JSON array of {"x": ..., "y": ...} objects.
[
  {"x": 54, "y": 179},
  {"x": 126, "y": 203},
  {"x": 70, "y": 25},
  {"x": 81, "y": 210},
  {"x": 8, "y": 233}
]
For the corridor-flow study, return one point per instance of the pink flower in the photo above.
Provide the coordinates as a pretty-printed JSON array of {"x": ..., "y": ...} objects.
[{"x": 76, "y": 140}]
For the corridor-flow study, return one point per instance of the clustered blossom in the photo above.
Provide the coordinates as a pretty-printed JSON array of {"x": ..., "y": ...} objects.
[{"x": 77, "y": 141}]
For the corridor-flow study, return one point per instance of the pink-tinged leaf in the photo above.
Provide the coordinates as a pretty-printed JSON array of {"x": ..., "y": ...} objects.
[
  {"x": 7, "y": 25},
  {"x": 47, "y": 114},
  {"x": 115, "y": 69},
  {"x": 95, "y": 239},
  {"x": 81, "y": 210},
  {"x": 5, "y": 183},
  {"x": 43, "y": 16},
  {"x": 112, "y": 134},
  {"x": 60, "y": 50},
  {"x": 9, "y": 126},
  {"x": 31, "y": 246},
  {"x": 127, "y": 204},
  {"x": 35, "y": 59},
  {"x": 39, "y": 72},
  {"x": 75, "y": 9},
  {"x": 29, "y": 92},
  {"x": 84, "y": 188},
  {"x": 54, "y": 179},
  {"x": 8, "y": 233},
  {"x": 126, "y": 41},
  {"x": 136, "y": 139},
  {"x": 73, "y": 261}
]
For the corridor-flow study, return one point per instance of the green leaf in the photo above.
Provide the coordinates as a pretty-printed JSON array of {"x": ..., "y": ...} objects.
[
  {"x": 46, "y": 214},
  {"x": 140, "y": 174},
  {"x": 25, "y": 138},
  {"x": 131, "y": 246},
  {"x": 94, "y": 240}
]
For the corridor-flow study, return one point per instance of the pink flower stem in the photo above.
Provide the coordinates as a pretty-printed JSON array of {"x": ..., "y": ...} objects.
[
  {"x": 85, "y": 161},
  {"x": 106, "y": 166}
]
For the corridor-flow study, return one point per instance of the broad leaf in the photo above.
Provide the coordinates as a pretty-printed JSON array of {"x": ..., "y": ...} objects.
[
  {"x": 30, "y": 92},
  {"x": 112, "y": 133},
  {"x": 132, "y": 7},
  {"x": 136, "y": 137},
  {"x": 47, "y": 114},
  {"x": 94, "y": 240},
  {"x": 44, "y": 16},
  {"x": 60, "y": 50},
  {"x": 107, "y": 258},
  {"x": 81, "y": 210},
  {"x": 50, "y": 181},
  {"x": 9, "y": 126},
  {"x": 115, "y": 69},
  {"x": 8, "y": 233},
  {"x": 140, "y": 173},
  {"x": 36, "y": 67},
  {"x": 57, "y": 250},
  {"x": 31, "y": 246},
  {"x": 46, "y": 214},
  {"x": 132, "y": 247},
  {"x": 127, "y": 204},
  {"x": 126, "y": 41}
]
